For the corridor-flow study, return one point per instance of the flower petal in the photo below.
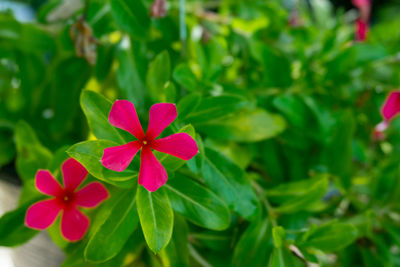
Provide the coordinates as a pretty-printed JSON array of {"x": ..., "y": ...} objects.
[
  {"x": 123, "y": 115},
  {"x": 180, "y": 145},
  {"x": 161, "y": 115},
  {"x": 391, "y": 106},
  {"x": 73, "y": 173},
  {"x": 47, "y": 184},
  {"x": 74, "y": 224},
  {"x": 117, "y": 158},
  {"x": 152, "y": 174},
  {"x": 42, "y": 214},
  {"x": 91, "y": 195}
]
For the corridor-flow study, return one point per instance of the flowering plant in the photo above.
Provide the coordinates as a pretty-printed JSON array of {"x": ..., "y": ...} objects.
[{"x": 202, "y": 133}]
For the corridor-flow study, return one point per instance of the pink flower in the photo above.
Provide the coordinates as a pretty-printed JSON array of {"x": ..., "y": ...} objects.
[
  {"x": 74, "y": 223},
  {"x": 361, "y": 3},
  {"x": 379, "y": 131},
  {"x": 390, "y": 109},
  {"x": 391, "y": 106},
  {"x": 152, "y": 174},
  {"x": 159, "y": 8},
  {"x": 361, "y": 30}
]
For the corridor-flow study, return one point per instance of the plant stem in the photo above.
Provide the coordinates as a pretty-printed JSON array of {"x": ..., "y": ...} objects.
[
  {"x": 270, "y": 210},
  {"x": 198, "y": 257}
]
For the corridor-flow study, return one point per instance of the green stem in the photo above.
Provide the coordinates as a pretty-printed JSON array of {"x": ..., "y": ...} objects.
[
  {"x": 198, "y": 257},
  {"x": 270, "y": 210}
]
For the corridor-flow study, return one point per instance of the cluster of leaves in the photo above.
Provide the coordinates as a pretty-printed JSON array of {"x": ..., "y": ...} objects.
[{"x": 287, "y": 171}]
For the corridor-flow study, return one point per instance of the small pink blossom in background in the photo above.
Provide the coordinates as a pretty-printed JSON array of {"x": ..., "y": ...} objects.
[
  {"x": 361, "y": 3},
  {"x": 379, "y": 130},
  {"x": 159, "y": 8},
  {"x": 152, "y": 174},
  {"x": 362, "y": 23},
  {"x": 74, "y": 223},
  {"x": 391, "y": 106},
  {"x": 361, "y": 30},
  {"x": 389, "y": 110}
]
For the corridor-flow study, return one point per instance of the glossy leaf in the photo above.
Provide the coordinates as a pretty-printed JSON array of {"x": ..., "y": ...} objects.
[
  {"x": 131, "y": 16},
  {"x": 31, "y": 155},
  {"x": 156, "y": 217},
  {"x": 250, "y": 126},
  {"x": 13, "y": 231},
  {"x": 176, "y": 253},
  {"x": 158, "y": 75},
  {"x": 96, "y": 108},
  {"x": 185, "y": 77},
  {"x": 212, "y": 108},
  {"x": 197, "y": 204},
  {"x": 254, "y": 246},
  {"x": 117, "y": 225},
  {"x": 296, "y": 196},
  {"x": 228, "y": 181},
  {"x": 187, "y": 104},
  {"x": 330, "y": 237}
]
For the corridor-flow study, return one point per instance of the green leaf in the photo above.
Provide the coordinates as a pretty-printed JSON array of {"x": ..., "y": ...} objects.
[
  {"x": 158, "y": 75},
  {"x": 293, "y": 108},
  {"x": 31, "y": 155},
  {"x": 7, "y": 150},
  {"x": 297, "y": 196},
  {"x": 187, "y": 104},
  {"x": 330, "y": 237},
  {"x": 212, "y": 108},
  {"x": 89, "y": 154},
  {"x": 281, "y": 257},
  {"x": 278, "y": 235},
  {"x": 119, "y": 222},
  {"x": 339, "y": 152},
  {"x": 13, "y": 231},
  {"x": 96, "y": 109},
  {"x": 245, "y": 126},
  {"x": 254, "y": 246},
  {"x": 25, "y": 37},
  {"x": 228, "y": 181},
  {"x": 65, "y": 95},
  {"x": 277, "y": 69},
  {"x": 132, "y": 17},
  {"x": 156, "y": 217},
  {"x": 130, "y": 81},
  {"x": 185, "y": 77},
  {"x": 176, "y": 253},
  {"x": 197, "y": 204}
]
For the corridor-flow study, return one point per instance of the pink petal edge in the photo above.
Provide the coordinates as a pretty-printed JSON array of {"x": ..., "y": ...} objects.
[
  {"x": 74, "y": 224},
  {"x": 118, "y": 158},
  {"x": 91, "y": 195},
  {"x": 180, "y": 145},
  {"x": 42, "y": 214},
  {"x": 47, "y": 184},
  {"x": 391, "y": 106},
  {"x": 123, "y": 115},
  {"x": 160, "y": 116},
  {"x": 152, "y": 174},
  {"x": 73, "y": 174}
]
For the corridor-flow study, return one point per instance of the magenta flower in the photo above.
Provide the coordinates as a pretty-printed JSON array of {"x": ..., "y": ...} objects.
[
  {"x": 391, "y": 106},
  {"x": 362, "y": 23},
  {"x": 361, "y": 30},
  {"x": 74, "y": 223},
  {"x": 152, "y": 174},
  {"x": 390, "y": 109}
]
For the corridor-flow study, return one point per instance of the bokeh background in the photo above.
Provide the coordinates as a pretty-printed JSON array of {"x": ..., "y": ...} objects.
[{"x": 285, "y": 90}]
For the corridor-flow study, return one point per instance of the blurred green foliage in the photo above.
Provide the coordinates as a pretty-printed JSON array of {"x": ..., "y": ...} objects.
[{"x": 288, "y": 172}]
